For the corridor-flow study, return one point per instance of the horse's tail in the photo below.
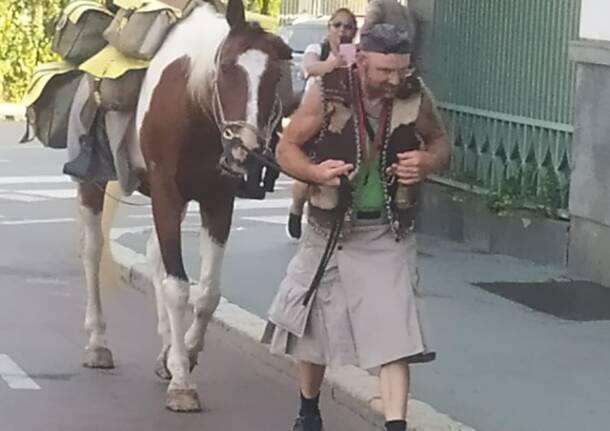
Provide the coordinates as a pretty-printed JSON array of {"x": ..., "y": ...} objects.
[{"x": 110, "y": 270}]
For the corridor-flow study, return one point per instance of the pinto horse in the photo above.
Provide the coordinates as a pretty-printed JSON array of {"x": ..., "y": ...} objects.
[{"x": 207, "y": 104}]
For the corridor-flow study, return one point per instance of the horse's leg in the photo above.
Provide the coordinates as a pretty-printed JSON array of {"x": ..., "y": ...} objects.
[
  {"x": 167, "y": 208},
  {"x": 215, "y": 225},
  {"x": 153, "y": 256},
  {"x": 91, "y": 202}
]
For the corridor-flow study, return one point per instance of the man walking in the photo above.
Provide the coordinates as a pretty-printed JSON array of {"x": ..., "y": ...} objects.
[{"x": 376, "y": 124}]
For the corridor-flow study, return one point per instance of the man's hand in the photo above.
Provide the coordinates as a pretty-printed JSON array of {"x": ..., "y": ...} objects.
[
  {"x": 328, "y": 172},
  {"x": 413, "y": 167}
]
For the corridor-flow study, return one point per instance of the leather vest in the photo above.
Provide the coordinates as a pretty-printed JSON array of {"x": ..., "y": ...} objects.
[{"x": 340, "y": 139}]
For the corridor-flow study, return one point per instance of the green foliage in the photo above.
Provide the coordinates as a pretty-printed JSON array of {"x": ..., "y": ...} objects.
[
  {"x": 267, "y": 7},
  {"x": 530, "y": 190},
  {"x": 24, "y": 42}
]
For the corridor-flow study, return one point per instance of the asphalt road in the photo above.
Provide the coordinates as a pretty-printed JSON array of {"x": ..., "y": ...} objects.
[
  {"x": 501, "y": 366},
  {"x": 43, "y": 386}
]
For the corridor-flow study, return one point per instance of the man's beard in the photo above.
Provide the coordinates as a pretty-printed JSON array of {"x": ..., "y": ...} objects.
[{"x": 381, "y": 90}]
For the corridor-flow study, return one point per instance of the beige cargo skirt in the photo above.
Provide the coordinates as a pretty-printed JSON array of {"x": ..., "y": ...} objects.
[{"x": 366, "y": 311}]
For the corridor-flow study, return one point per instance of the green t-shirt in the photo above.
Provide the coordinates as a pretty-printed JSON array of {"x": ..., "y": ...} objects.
[{"x": 368, "y": 188}]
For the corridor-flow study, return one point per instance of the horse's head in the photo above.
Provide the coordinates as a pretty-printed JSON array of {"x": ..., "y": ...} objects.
[{"x": 246, "y": 105}]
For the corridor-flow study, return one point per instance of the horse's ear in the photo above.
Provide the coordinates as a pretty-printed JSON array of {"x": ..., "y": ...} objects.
[
  {"x": 284, "y": 52},
  {"x": 236, "y": 14}
]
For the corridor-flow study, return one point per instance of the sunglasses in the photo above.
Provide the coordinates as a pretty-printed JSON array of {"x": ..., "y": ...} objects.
[{"x": 339, "y": 24}]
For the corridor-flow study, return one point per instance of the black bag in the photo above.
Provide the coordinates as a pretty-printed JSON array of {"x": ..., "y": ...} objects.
[
  {"x": 48, "y": 115},
  {"x": 79, "y": 30}
]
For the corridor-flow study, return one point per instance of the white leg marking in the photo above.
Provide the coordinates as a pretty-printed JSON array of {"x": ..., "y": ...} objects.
[
  {"x": 176, "y": 295},
  {"x": 14, "y": 375},
  {"x": 91, "y": 253},
  {"x": 206, "y": 295},
  {"x": 153, "y": 256}
]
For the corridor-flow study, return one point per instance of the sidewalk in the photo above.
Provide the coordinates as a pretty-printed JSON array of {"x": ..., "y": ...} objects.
[{"x": 501, "y": 366}]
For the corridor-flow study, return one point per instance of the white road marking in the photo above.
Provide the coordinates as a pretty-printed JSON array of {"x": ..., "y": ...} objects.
[
  {"x": 48, "y": 281},
  {"x": 51, "y": 193},
  {"x": 14, "y": 375},
  {"x": 37, "y": 221},
  {"x": 240, "y": 205},
  {"x": 3, "y": 161},
  {"x": 21, "y": 198},
  {"x": 44, "y": 179},
  {"x": 275, "y": 219}
]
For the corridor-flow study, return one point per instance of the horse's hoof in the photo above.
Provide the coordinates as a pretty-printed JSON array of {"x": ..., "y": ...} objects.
[
  {"x": 183, "y": 401},
  {"x": 98, "y": 357},
  {"x": 161, "y": 369}
]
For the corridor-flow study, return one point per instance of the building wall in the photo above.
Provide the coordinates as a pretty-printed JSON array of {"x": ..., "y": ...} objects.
[
  {"x": 595, "y": 20},
  {"x": 589, "y": 254}
]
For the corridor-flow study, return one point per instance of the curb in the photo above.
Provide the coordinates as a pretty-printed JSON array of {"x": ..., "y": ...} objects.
[
  {"x": 349, "y": 386},
  {"x": 12, "y": 112}
]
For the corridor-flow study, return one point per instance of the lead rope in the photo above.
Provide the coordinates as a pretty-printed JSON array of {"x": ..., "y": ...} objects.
[{"x": 345, "y": 198}]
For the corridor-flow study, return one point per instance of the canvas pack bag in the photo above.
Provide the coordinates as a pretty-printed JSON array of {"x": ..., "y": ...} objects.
[
  {"x": 118, "y": 94},
  {"x": 114, "y": 79},
  {"x": 48, "y": 100},
  {"x": 79, "y": 30},
  {"x": 140, "y": 27}
]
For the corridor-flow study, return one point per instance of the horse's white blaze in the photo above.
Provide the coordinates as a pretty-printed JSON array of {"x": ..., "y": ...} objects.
[
  {"x": 175, "y": 296},
  {"x": 206, "y": 295},
  {"x": 254, "y": 62},
  {"x": 198, "y": 38},
  {"x": 91, "y": 252}
]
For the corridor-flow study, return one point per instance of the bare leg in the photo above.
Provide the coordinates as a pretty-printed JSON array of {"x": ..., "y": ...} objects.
[
  {"x": 91, "y": 201},
  {"x": 394, "y": 382},
  {"x": 310, "y": 377}
]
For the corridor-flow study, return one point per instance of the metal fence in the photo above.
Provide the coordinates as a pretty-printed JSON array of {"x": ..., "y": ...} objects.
[
  {"x": 291, "y": 9},
  {"x": 505, "y": 86}
]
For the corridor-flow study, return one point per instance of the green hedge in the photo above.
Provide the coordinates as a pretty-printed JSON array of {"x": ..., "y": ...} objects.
[
  {"x": 25, "y": 37},
  {"x": 25, "y": 27}
]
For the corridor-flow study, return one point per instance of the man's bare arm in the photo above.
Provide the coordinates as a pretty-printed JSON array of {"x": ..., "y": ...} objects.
[{"x": 305, "y": 123}]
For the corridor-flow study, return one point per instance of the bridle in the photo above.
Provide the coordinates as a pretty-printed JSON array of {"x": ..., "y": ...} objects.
[{"x": 225, "y": 127}]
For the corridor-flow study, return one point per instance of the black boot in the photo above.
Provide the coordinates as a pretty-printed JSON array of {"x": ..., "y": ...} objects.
[{"x": 308, "y": 423}]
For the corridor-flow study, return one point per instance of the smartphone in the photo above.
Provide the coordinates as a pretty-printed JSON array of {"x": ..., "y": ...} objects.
[{"x": 348, "y": 53}]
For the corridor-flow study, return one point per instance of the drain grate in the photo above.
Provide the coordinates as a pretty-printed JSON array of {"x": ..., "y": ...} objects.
[{"x": 569, "y": 300}]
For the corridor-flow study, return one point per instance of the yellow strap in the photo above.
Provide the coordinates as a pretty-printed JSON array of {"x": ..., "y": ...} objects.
[
  {"x": 41, "y": 76},
  {"x": 77, "y": 8},
  {"x": 147, "y": 6},
  {"x": 110, "y": 63}
]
